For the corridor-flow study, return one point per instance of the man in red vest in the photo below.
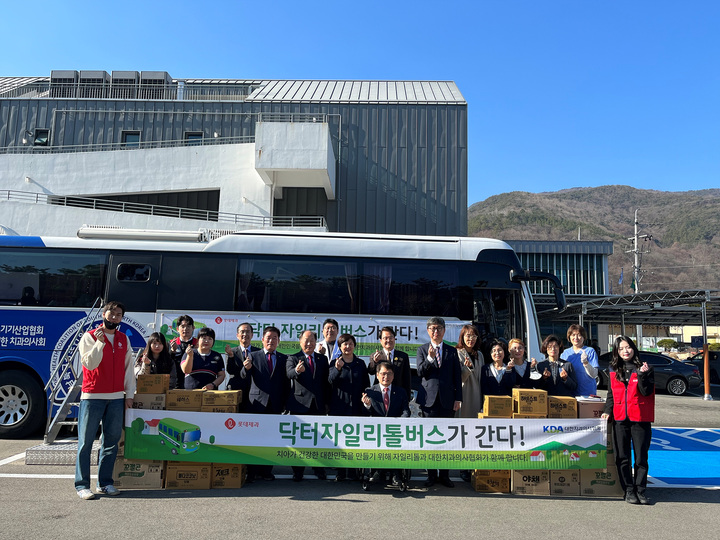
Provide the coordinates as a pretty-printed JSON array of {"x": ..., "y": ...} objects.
[{"x": 108, "y": 388}]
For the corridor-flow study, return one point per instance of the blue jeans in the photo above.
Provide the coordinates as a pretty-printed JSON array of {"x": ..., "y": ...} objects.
[{"x": 111, "y": 412}]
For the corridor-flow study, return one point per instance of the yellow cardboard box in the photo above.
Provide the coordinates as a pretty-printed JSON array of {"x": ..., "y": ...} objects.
[
  {"x": 138, "y": 474},
  {"x": 220, "y": 408},
  {"x": 600, "y": 483},
  {"x": 531, "y": 482},
  {"x": 529, "y": 401},
  {"x": 562, "y": 407},
  {"x": 153, "y": 384},
  {"x": 222, "y": 397},
  {"x": 565, "y": 482},
  {"x": 518, "y": 415},
  {"x": 228, "y": 475},
  {"x": 491, "y": 481},
  {"x": 153, "y": 402},
  {"x": 184, "y": 475},
  {"x": 184, "y": 400},
  {"x": 496, "y": 407}
]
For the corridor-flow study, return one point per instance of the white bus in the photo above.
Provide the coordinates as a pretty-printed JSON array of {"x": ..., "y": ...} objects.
[{"x": 292, "y": 280}]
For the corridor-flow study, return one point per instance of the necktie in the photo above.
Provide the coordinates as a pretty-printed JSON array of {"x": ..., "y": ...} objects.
[
  {"x": 310, "y": 365},
  {"x": 386, "y": 399},
  {"x": 270, "y": 364},
  {"x": 438, "y": 355},
  {"x": 389, "y": 355}
]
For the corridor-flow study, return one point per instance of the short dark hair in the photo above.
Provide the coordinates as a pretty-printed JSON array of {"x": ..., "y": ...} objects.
[
  {"x": 346, "y": 337},
  {"x": 112, "y": 305},
  {"x": 272, "y": 329},
  {"x": 206, "y": 331},
  {"x": 577, "y": 328},
  {"x": 237, "y": 331},
  {"x": 386, "y": 365},
  {"x": 548, "y": 340},
  {"x": 388, "y": 329},
  {"x": 185, "y": 319},
  {"x": 331, "y": 321}
]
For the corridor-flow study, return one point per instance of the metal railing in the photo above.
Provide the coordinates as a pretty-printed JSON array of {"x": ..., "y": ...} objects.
[
  {"x": 141, "y": 145},
  {"x": 292, "y": 117},
  {"x": 240, "y": 220},
  {"x": 176, "y": 91}
]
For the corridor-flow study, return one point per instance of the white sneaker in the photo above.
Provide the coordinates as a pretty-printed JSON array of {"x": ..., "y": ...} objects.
[
  {"x": 85, "y": 494},
  {"x": 107, "y": 490}
]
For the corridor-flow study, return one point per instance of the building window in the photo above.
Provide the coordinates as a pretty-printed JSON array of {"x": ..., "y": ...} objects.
[
  {"x": 193, "y": 137},
  {"x": 130, "y": 139},
  {"x": 42, "y": 137}
]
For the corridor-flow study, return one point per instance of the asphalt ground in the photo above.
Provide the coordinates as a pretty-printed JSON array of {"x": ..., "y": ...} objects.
[{"x": 39, "y": 501}]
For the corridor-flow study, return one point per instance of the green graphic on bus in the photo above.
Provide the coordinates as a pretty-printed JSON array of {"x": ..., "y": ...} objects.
[{"x": 181, "y": 436}]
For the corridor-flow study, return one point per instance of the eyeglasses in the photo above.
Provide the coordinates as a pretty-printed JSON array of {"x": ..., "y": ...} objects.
[{"x": 434, "y": 329}]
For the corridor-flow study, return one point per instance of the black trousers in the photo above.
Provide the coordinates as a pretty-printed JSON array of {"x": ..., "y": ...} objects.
[
  {"x": 436, "y": 410},
  {"x": 637, "y": 434}
]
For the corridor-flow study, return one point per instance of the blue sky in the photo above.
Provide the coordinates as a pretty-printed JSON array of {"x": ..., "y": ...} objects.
[{"x": 560, "y": 94}]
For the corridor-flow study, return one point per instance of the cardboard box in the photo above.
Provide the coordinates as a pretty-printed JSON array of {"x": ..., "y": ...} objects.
[
  {"x": 221, "y": 397},
  {"x": 600, "y": 483},
  {"x": 562, "y": 407},
  {"x": 527, "y": 401},
  {"x": 497, "y": 407},
  {"x": 220, "y": 408},
  {"x": 138, "y": 474},
  {"x": 518, "y": 415},
  {"x": 590, "y": 409},
  {"x": 491, "y": 481},
  {"x": 153, "y": 384},
  {"x": 531, "y": 482},
  {"x": 153, "y": 402},
  {"x": 184, "y": 475},
  {"x": 184, "y": 400},
  {"x": 565, "y": 483},
  {"x": 228, "y": 475}
]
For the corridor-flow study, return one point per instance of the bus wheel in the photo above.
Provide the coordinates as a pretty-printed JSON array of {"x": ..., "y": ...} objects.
[
  {"x": 174, "y": 451},
  {"x": 22, "y": 407},
  {"x": 162, "y": 441}
]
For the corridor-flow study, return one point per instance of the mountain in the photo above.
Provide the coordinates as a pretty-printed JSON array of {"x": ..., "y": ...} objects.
[{"x": 684, "y": 252}]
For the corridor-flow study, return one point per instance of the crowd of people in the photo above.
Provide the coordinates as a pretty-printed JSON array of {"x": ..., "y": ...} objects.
[{"x": 327, "y": 378}]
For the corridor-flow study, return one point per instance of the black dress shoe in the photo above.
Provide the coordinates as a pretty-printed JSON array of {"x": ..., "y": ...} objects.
[
  {"x": 631, "y": 498},
  {"x": 321, "y": 475},
  {"x": 297, "y": 478},
  {"x": 430, "y": 482},
  {"x": 445, "y": 481},
  {"x": 340, "y": 477},
  {"x": 396, "y": 480},
  {"x": 642, "y": 499},
  {"x": 465, "y": 475},
  {"x": 268, "y": 477},
  {"x": 374, "y": 478}
]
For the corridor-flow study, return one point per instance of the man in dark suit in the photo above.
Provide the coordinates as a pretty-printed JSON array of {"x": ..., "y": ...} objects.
[
  {"x": 235, "y": 358},
  {"x": 388, "y": 400},
  {"x": 308, "y": 371},
  {"x": 440, "y": 393},
  {"x": 269, "y": 386},
  {"x": 399, "y": 360}
]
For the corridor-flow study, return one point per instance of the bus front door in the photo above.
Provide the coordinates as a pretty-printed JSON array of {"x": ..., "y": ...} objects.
[{"x": 133, "y": 280}]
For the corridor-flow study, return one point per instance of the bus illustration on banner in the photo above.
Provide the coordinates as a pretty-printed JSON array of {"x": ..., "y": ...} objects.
[{"x": 182, "y": 436}]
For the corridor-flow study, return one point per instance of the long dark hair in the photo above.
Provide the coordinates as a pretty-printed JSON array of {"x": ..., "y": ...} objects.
[
  {"x": 617, "y": 364},
  {"x": 163, "y": 362}
]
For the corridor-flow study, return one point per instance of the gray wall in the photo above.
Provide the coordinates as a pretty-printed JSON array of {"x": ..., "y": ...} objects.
[{"x": 403, "y": 167}]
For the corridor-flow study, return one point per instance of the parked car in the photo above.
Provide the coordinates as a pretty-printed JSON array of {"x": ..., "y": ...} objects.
[
  {"x": 670, "y": 374},
  {"x": 699, "y": 361}
]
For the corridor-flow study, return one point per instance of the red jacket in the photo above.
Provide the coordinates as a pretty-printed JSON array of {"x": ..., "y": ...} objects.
[
  {"x": 629, "y": 403},
  {"x": 109, "y": 376}
]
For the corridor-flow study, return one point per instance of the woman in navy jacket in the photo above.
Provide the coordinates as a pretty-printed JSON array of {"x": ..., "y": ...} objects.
[
  {"x": 631, "y": 405},
  {"x": 496, "y": 379}
]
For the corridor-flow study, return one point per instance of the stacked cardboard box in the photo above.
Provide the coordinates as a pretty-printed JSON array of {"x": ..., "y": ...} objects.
[
  {"x": 590, "y": 408},
  {"x": 152, "y": 384},
  {"x": 600, "y": 482},
  {"x": 228, "y": 475},
  {"x": 491, "y": 481},
  {"x": 529, "y": 401},
  {"x": 184, "y": 400},
  {"x": 225, "y": 401},
  {"x": 186, "y": 475},
  {"x": 565, "y": 482},
  {"x": 138, "y": 474},
  {"x": 562, "y": 407},
  {"x": 153, "y": 402},
  {"x": 496, "y": 407},
  {"x": 531, "y": 482}
]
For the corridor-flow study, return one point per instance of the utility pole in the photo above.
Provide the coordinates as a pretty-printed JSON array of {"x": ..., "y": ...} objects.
[{"x": 638, "y": 253}]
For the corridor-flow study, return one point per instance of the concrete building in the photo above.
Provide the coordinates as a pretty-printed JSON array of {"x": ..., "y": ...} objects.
[{"x": 144, "y": 150}]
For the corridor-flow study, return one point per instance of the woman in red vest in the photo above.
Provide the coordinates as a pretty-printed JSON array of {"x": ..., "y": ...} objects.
[{"x": 631, "y": 405}]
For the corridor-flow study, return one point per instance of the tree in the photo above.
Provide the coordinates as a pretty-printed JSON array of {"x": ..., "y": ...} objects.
[{"x": 667, "y": 343}]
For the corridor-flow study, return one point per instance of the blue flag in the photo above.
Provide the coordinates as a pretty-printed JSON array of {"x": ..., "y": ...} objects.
[
  {"x": 336, "y": 352},
  {"x": 621, "y": 276}
]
